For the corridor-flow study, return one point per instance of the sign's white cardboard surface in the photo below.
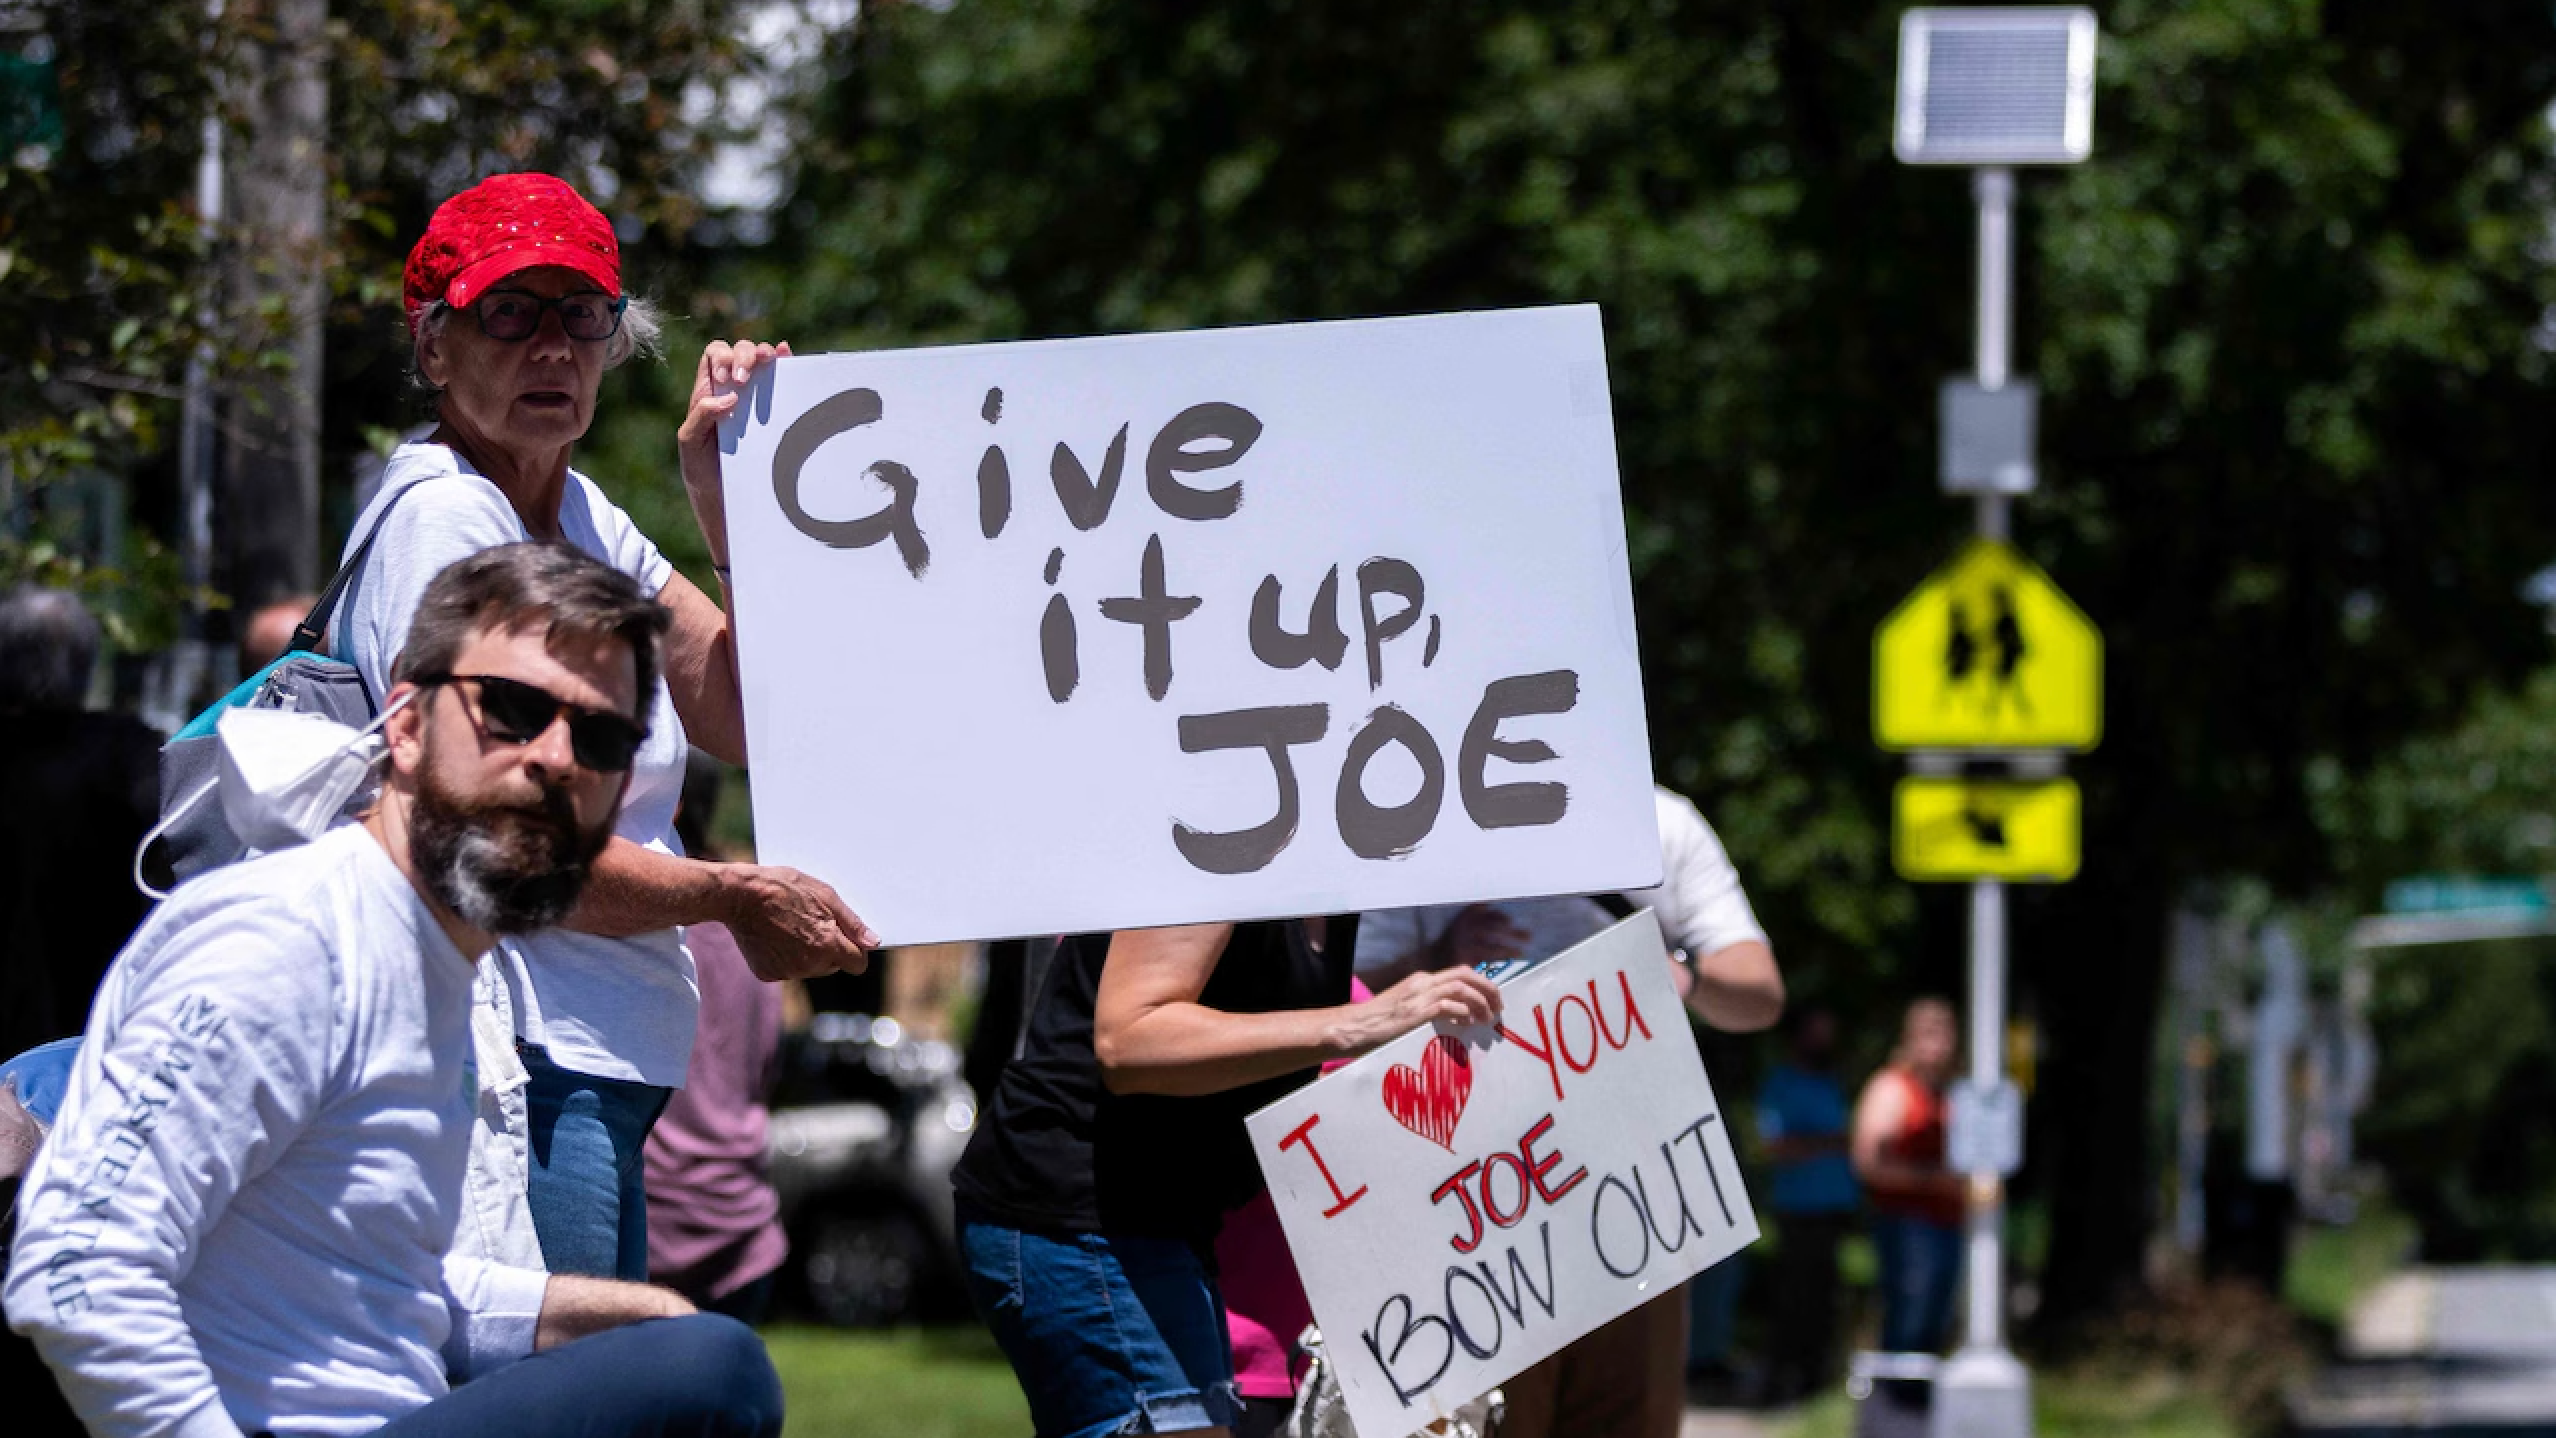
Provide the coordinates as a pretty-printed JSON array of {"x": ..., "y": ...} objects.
[
  {"x": 1463, "y": 1204},
  {"x": 1083, "y": 634}
]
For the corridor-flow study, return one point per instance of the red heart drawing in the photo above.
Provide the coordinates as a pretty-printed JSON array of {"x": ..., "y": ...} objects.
[{"x": 1428, "y": 1100}]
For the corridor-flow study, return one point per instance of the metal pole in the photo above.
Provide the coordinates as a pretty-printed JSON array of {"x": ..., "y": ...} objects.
[
  {"x": 1994, "y": 188},
  {"x": 1983, "y": 1391},
  {"x": 1987, "y": 1069}
]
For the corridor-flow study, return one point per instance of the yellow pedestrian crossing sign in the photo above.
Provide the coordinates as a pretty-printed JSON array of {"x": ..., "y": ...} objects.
[
  {"x": 1944, "y": 829},
  {"x": 1987, "y": 654}
]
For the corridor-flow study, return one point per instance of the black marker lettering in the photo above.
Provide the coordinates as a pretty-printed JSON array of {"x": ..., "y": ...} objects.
[
  {"x": 1411, "y": 1323},
  {"x": 1521, "y": 1284},
  {"x": 1597, "y": 1225},
  {"x": 1169, "y": 456},
  {"x": 1274, "y": 731},
  {"x": 1153, "y": 610},
  {"x": 1324, "y": 642},
  {"x": 1686, "y": 1226},
  {"x": 993, "y": 492},
  {"x": 1386, "y": 576},
  {"x": 823, "y": 421},
  {"x": 1370, "y": 830},
  {"x": 1056, "y": 649},
  {"x": 1511, "y": 806},
  {"x": 994, "y": 477},
  {"x": 1087, "y": 502},
  {"x": 1464, "y": 1333},
  {"x": 1695, "y": 1131}
]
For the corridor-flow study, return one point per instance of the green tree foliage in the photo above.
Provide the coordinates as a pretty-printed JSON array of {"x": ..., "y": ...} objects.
[
  {"x": 108, "y": 283},
  {"x": 99, "y": 288},
  {"x": 2466, "y": 1064},
  {"x": 2289, "y": 322}
]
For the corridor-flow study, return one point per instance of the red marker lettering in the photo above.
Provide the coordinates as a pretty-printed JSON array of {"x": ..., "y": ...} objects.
[
  {"x": 1473, "y": 1216},
  {"x": 1303, "y": 1133},
  {"x": 1538, "y": 1168}
]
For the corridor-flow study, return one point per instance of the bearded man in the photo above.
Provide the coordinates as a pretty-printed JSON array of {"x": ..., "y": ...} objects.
[{"x": 241, "y": 1222}]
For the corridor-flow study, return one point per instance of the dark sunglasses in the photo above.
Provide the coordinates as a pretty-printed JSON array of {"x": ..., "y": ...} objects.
[
  {"x": 519, "y": 713},
  {"x": 511, "y": 315}
]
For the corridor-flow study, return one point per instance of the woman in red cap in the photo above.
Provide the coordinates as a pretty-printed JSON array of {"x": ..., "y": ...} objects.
[{"x": 516, "y": 308}]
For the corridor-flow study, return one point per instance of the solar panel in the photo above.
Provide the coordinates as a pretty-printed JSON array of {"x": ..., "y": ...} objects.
[{"x": 1996, "y": 86}]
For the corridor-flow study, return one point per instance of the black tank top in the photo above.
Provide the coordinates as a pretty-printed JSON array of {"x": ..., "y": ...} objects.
[{"x": 1055, "y": 1151}]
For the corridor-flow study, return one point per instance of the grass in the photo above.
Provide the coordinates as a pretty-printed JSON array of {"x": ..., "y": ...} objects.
[
  {"x": 2331, "y": 1268},
  {"x": 2089, "y": 1403},
  {"x": 907, "y": 1383}
]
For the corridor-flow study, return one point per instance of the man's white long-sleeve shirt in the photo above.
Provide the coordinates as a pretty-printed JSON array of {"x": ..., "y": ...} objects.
[{"x": 240, "y": 1220}]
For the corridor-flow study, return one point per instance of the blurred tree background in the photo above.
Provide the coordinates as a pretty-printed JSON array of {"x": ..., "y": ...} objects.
[{"x": 2291, "y": 323}]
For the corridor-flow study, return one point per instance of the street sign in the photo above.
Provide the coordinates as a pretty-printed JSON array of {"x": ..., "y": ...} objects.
[
  {"x": 2465, "y": 894},
  {"x": 1961, "y": 829},
  {"x": 1987, "y": 654},
  {"x": 1983, "y": 1131}
]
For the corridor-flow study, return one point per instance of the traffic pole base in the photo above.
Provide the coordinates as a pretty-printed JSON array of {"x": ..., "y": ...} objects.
[{"x": 1982, "y": 1393}]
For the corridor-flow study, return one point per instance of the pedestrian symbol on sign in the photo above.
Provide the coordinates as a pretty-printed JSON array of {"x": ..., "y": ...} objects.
[
  {"x": 1988, "y": 654},
  {"x": 2002, "y": 638}
]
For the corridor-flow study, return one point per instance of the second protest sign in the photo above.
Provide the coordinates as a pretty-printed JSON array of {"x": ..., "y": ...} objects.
[{"x": 1463, "y": 1204}]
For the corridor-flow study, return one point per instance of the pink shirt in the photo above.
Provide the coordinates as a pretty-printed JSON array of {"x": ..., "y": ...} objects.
[
  {"x": 714, "y": 1223},
  {"x": 1266, "y": 1310}
]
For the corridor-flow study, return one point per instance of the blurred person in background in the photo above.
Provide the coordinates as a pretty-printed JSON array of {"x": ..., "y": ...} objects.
[
  {"x": 714, "y": 1221},
  {"x": 515, "y": 309},
  {"x": 77, "y": 792},
  {"x": 1918, "y": 1204},
  {"x": 1802, "y": 1127},
  {"x": 269, "y": 631}
]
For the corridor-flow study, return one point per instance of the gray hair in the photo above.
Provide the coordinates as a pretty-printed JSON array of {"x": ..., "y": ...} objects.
[
  {"x": 642, "y": 336},
  {"x": 570, "y": 593},
  {"x": 48, "y": 645}
]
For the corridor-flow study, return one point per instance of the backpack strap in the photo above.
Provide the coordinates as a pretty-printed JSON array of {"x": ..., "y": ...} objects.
[{"x": 314, "y": 626}]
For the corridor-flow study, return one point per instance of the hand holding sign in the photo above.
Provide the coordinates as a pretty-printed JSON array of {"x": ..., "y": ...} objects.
[
  {"x": 1453, "y": 996},
  {"x": 792, "y": 925},
  {"x": 718, "y": 386}
]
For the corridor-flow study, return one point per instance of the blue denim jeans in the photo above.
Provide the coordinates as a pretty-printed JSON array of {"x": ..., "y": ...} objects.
[
  {"x": 587, "y": 1190},
  {"x": 704, "y": 1376},
  {"x": 1920, "y": 1269},
  {"x": 1108, "y": 1334}
]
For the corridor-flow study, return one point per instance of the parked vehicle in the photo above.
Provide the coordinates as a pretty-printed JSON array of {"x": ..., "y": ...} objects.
[{"x": 867, "y": 1122}]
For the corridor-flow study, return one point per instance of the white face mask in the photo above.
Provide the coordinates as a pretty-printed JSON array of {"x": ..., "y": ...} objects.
[{"x": 287, "y": 776}]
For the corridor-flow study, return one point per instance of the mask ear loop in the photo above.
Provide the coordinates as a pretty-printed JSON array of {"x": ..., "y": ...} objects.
[{"x": 187, "y": 805}]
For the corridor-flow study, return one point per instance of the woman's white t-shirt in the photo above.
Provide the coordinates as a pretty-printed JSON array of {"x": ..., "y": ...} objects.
[{"x": 610, "y": 1008}]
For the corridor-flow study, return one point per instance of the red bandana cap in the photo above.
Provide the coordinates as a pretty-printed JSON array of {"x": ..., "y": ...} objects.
[{"x": 502, "y": 225}]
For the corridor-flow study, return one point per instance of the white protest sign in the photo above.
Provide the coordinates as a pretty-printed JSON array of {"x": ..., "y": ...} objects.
[
  {"x": 1461, "y": 1205},
  {"x": 1105, "y": 633}
]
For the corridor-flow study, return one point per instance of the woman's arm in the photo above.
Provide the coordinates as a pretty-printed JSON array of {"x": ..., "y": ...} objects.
[
  {"x": 701, "y": 656},
  {"x": 1153, "y": 1036},
  {"x": 701, "y": 670},
  {"x": 1738, "y": 989},
  {"x": 790, "y": 925}
]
